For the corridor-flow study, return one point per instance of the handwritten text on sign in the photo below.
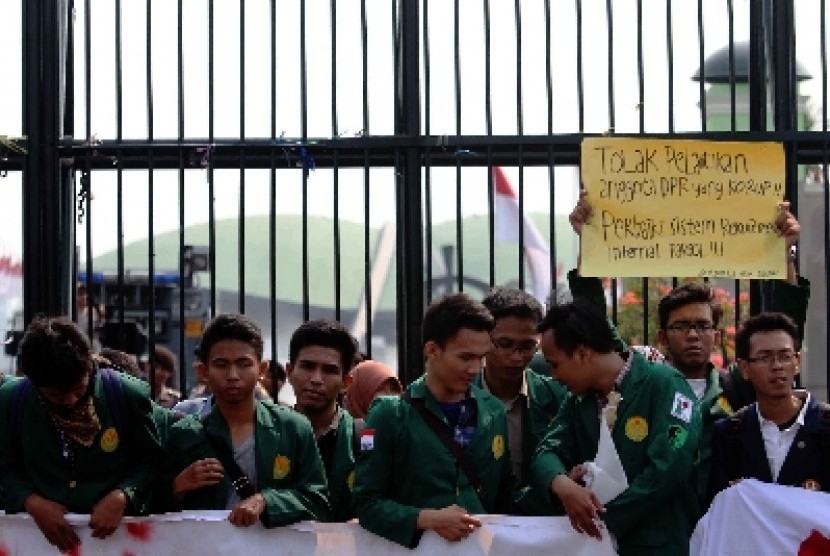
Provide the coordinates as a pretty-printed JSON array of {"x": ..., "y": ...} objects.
[{"x": 682, "y": 208}]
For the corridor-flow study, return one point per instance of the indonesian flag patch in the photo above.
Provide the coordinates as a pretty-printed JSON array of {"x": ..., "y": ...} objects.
[
  {"x": 367, "y": 440},
  {"x": 682, "y": 407}
]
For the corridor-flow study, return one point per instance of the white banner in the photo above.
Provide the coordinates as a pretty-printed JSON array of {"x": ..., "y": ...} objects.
[
  {"x": 755, "y": 518},
  {"x": 206, "y": 533}
]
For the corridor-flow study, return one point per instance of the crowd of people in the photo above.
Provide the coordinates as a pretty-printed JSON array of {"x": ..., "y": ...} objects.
[{"x": 521, "y": 410}]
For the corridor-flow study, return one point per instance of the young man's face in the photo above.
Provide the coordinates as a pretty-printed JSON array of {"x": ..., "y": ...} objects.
[
  {"x": 231, "y": 371},
  {"x": 456, "y": 364},
  {"x": 772, "y": 365},
  {"x": 689, "y": 337},
  {"x": 574, "y": 370},
  {"x": 515, "y": 340},
  {"x": 317, "y": 377}
]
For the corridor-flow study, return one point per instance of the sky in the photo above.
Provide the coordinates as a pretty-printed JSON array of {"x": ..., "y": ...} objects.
[{"x": 350, "y": 79}]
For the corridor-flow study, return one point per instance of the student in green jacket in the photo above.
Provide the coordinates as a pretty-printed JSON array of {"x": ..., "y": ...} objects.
[
  {"x": 74, "y": 437},
  {"x": 655, "y": 428},
  {"x": 321, "y": 353},
  {"x": 408, "y": 480},
  {"x": 530, "y": 400},
  {"x": 689, "y": 320},
  {"x": 272, "y": 446}
]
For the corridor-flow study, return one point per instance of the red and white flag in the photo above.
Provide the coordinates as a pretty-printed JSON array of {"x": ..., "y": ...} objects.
[
  {"x": 776, "y": 519},
  {"x": 507, "y": 221}
]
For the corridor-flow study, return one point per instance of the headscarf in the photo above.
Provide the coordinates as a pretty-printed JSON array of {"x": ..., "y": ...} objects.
[{"x": 367, "y": 377}]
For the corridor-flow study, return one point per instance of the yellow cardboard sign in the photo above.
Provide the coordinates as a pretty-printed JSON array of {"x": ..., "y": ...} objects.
[{"x": 682, "y": 208}]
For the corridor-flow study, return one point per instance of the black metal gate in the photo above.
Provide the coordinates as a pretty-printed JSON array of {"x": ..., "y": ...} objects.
[{"x": 219, "y": 145}]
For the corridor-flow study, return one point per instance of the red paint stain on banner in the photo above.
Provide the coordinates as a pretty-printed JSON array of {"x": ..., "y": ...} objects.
[
  {"x": 814, "y": 545},
  {"x": 140, "y": 530}
]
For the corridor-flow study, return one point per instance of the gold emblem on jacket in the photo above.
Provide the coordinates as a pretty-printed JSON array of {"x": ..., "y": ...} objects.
[
  {"x": 109, "y": 440},
  {"x": 498, "y": 446},
  {"x": 282, "y": 467},
  {"x": 636, "y": 428}
]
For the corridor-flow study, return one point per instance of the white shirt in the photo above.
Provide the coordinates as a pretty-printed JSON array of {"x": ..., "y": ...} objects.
[
  {"x": 777, "y": 442},
  {"x": 698, "y": 386}
]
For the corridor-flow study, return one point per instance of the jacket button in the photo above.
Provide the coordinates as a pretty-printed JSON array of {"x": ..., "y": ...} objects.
[{"x": 73, "y": 484}]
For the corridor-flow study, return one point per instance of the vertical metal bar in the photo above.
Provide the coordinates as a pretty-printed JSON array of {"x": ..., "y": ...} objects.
[
  {"x": 732, "y": 108},
  {"x": 364, "y": 47},
  {"x": 701, "y": 65},
  {"x": 520, "y": 130},
  {"x": 642, "y": 127},
  {"x": 338, "y": 253},
  {"x": 521, "y": 194},
  {"x": 48, "y": 189},
  {"x": 670, "y": 63},
  {"x": 242, "y": 173},
  {"x": 367, "y": 254},
  {"x": 272, "y": 190},
  {"x": 427, "y": 155},
  {"x": 151, "y": 239},
  {"x": 609, "y": 10},
  {"x": 304, "y": 131},
  {"x": 579, "y": 78},
  {"x": 757, "y": 100},
  {"x": 410, "y": 256},
  {"x": 119, "y": 176},
  {"x": 182, "y": 282},
  {"x": 459, "y": 217},
  {"x": 519, "y": 113},
  {"x": 335, "y": 167},
  {"x": 488, "y": 115},
  {"x": 211, "y": 192}
]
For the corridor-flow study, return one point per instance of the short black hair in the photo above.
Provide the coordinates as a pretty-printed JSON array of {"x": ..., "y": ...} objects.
[
  {"x": 691, "y": 292},
  {"x": 164, "y": 358},
  {"x": 763, "y": 322},
  {"x": 449, "y": 314},
  {"x": 513, "y": 302},
  {"x": 230, "y": 326},
  {"x": 578, "y": 323},
  {"x": 325, "y": 333},
  {"x": 55, "y": 353}
]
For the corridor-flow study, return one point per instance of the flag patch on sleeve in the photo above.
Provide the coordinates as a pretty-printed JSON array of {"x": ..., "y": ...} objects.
[
  {"x": 367, "y": 440},
  {"x": 682, "y": 407}
]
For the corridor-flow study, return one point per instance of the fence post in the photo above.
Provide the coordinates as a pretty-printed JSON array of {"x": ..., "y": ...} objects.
[
  {"x": 48, "y": 212},
  {"x": 410, "y": 244}
]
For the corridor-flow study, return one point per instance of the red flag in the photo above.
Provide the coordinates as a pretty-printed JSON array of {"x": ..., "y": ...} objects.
[{"x": 507, "y": 222}]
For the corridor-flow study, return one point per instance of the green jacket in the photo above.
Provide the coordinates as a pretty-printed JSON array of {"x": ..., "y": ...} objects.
[
  {"x": 544, "y": 397},
  {"x": 290, "y": 474},
  {"x": 726, "y": 391},
  {"x": 342, "y": 476},
  {"x": 656, "y": 513},
  {"x": 31, "y": 461},
  {"x": 406, "y": 468}
]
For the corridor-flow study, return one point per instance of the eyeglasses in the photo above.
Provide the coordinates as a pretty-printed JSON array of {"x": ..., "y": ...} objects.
[
  {"x": 509, "y": 346},
  {"x": 685, "y": 327},
  {"x": 769, "y": 359}
]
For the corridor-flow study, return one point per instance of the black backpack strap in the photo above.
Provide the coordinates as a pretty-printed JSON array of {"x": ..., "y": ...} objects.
[
  {"x": 824, "y": 441},
  {"x": 358, "y": 425},
  {"x": 116, "y": 400},
  {"x": 735, "y": 429},
  {"x": 239, "y": 480},
  {"x": 24, "y": 386},
  {"x": 444, "y": 434}
]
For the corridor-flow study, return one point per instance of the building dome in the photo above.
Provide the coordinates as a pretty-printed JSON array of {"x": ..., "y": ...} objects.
[{"x": 716, "y": 66}]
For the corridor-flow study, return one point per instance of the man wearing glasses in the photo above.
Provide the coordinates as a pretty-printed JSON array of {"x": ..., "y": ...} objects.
[
  {"x": 689, "y": 320},
  {"x": 784, "y": 437},
  {"x": 530, "y": 399}
]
